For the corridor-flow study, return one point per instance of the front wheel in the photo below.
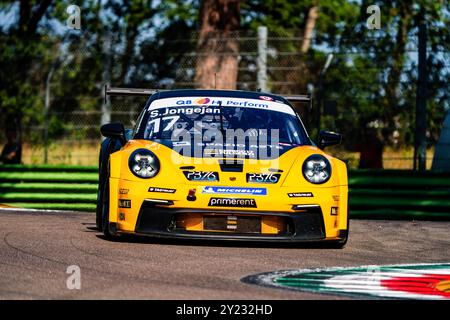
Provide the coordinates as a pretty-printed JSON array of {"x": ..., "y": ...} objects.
[
  {"x": 339, "y": 244},
  {"x": 103, "y": 207},
  {"x": 105, "y": 210},
  {"x": 98, "y": 211},
  {"x": 100, "y": 193}
]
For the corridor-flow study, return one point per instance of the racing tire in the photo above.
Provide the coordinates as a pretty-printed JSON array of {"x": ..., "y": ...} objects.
[
  {"x": 339, "y": 244},
  {"x": 105, "y": 210},
  {"x": 104, "y": 206},
  {"x": 98, "y": 210}
]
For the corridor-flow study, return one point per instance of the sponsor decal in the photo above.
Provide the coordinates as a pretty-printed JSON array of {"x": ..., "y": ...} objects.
[
  {"x": 201, "y": 175},
  {"x": 236, "y": 102},
  {"x": 232, "y": 202},
  {"x": 203, "y": 101},
  {"x": 415, "y": 281},
  {"x": 261, "y": 103},
  {"x": 235, "y": 190},
  {"x": 123, "y": 191},
  {"x": 263, "y": 177},
  {"x": 246, "y": 103},
  {"x": 166, "y": 113},
  {"x": 225, "y": 152},
  {"x": 227, "y": 145},
  {"x": 161, "y": 190},
  {"x": 300, "y": 195},
  {"x": 124, "y": 203}
]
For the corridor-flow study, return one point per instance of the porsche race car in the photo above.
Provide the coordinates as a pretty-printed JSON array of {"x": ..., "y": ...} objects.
[{"x": 221, "y": 164}]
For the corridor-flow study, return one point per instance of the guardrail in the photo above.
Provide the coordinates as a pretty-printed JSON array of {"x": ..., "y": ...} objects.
[{"x": 381, "y": 194}]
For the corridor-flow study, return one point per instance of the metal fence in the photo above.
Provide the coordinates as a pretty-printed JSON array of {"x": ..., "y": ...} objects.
[{"x": 265, "y": 60}]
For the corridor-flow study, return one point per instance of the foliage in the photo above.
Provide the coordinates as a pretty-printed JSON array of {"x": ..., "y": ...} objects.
[{"x": 373, "y": 76}]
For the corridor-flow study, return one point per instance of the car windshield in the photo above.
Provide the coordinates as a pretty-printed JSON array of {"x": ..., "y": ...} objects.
[{"x": 169, "y": 122}]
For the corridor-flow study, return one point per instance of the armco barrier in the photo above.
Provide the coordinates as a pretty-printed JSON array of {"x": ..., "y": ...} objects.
[{"x": 382, "y": 194}]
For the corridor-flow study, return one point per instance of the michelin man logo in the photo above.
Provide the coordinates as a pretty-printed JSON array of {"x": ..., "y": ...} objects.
[{"x": 208, "y": 190}]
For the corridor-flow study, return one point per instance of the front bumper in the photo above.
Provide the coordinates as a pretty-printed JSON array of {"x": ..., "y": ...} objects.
[
  {"x": 160, "y": 221},
  {"x": 135, "y": 210}
]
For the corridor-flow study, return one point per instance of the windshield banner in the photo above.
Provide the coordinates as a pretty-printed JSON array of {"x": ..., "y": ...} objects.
[{"x": 221, "y": 101}]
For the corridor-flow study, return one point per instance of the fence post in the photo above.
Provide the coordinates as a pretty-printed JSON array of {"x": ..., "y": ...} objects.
[
  {"x": 106, "y": 106},
  {"x": 46, "y": 110},
  {"x": 420, "y": 151},
  {"x": 319, "y": 91},
  {"x": 262, "y": 59},
  {"x": 48, "y": 83}
]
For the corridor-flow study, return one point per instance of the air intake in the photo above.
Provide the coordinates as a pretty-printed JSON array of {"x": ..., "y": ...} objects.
[{"x": 231, "y": 165}]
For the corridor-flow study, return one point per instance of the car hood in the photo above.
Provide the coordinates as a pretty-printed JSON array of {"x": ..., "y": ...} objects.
[{"x": 232, "y": 171}]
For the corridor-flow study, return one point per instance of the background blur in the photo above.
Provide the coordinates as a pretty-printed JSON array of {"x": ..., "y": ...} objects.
[{"x": 52, "y": 76}]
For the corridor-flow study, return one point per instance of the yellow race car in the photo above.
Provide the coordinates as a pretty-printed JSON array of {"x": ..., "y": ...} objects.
[{"x": 219, "y": 164}]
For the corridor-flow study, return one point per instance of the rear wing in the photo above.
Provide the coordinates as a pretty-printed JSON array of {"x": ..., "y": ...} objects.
[
  {"x": 115, "y": 91},
  {"x": 306, "y": 98}
]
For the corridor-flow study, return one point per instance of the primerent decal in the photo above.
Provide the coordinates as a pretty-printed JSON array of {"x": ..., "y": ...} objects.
[{"x": 232, "y": 202}]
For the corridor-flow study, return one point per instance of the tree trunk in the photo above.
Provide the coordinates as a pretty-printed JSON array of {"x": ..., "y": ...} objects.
[
  {"x": 29, "y": 17},
  {"x": 309, "y": 28},
  {"x": 218, "y": 46},
  {"x": 398, "y": 60},
  {"x": 299, "y": 78}
]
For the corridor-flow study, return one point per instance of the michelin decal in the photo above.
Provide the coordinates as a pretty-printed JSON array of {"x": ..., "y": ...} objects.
[{"x": 237, "y": 190}]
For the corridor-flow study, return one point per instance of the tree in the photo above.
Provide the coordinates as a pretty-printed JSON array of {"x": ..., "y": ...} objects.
[
  {"x": 19, "y": 76},
  {"x": 388, "y": 102},
  {"x": 218, "y": 47}
]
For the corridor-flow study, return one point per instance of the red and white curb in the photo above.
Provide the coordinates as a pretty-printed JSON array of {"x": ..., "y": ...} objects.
[{"x": 413, "y": 281}]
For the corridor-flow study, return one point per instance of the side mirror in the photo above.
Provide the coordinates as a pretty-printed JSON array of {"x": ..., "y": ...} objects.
[
  {"x": 328, "y": 138},
  {"x": 114, "y": 130}
]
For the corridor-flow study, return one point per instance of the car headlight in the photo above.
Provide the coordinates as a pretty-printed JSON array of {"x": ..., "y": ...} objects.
[
  {"x": 316, "y": 169},
  {"x": 143, "y": 164}
]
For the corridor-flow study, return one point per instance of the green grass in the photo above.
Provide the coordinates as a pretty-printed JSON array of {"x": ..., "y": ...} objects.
[
  {"x": 48, "y": 167},
  {"x": 399, "y": 203},
  {"x": 54, "y": 177},
  {"x": 55, "y": 206},
  {"x": 48, "y": 197},
  {"x": 398, "y": 182},
  {"x": 391, "y": 214},
  {"x": 417, "y": 194},
  {"x": 47, "y": 187}
]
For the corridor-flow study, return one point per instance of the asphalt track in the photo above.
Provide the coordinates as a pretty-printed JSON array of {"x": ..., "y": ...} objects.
[{"x": 37, "y": 248}]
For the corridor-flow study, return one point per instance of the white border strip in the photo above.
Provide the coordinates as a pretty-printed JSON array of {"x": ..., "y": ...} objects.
[{"x": 43, "y": 210}]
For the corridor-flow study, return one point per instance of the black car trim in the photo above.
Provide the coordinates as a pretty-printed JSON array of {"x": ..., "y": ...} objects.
[{"x": 159, "y": 221}]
